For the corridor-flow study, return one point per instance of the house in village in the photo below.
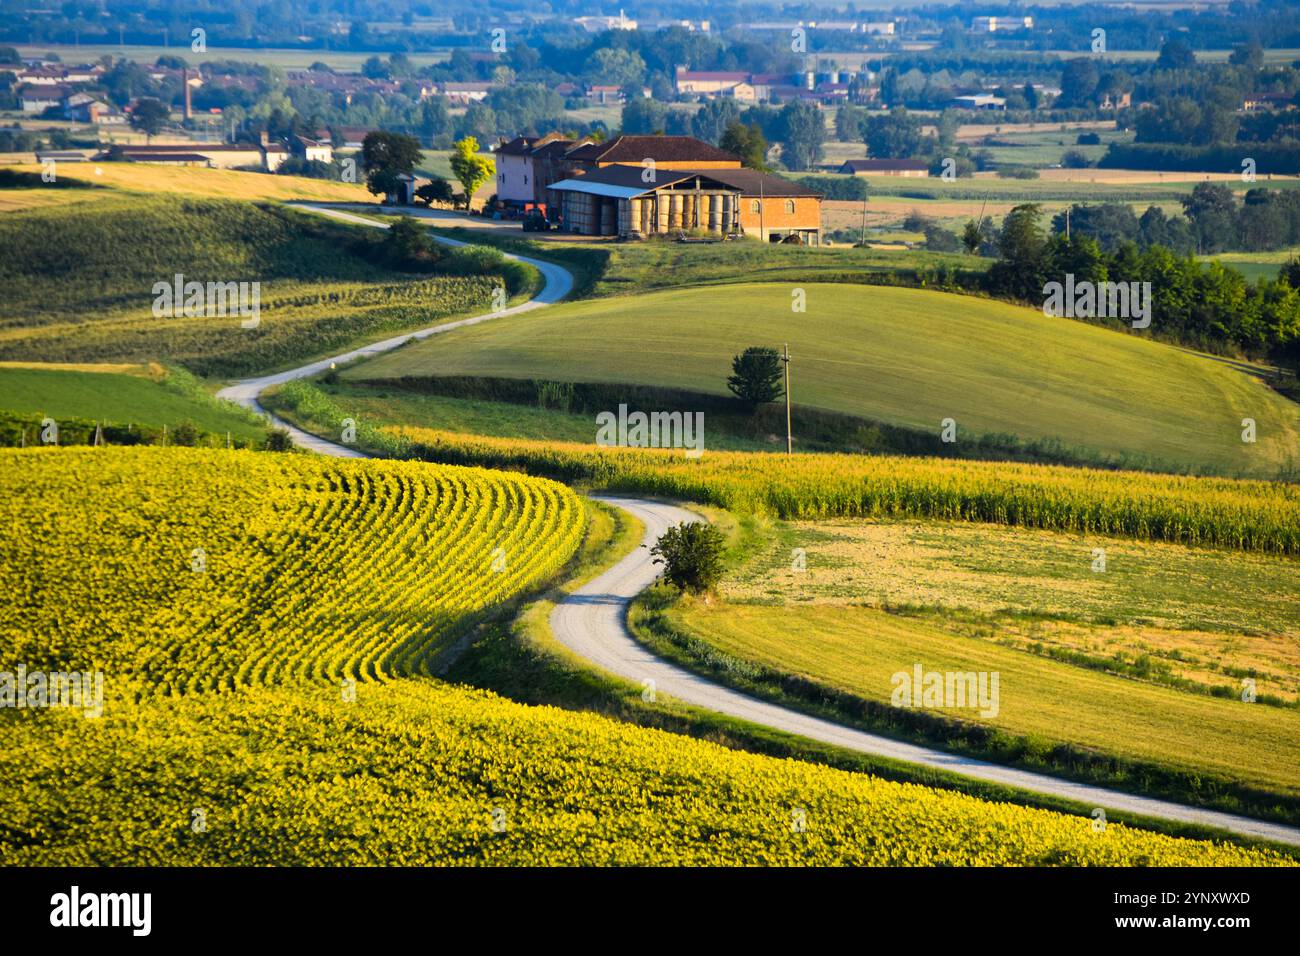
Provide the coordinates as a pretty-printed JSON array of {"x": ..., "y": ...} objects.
[{"x": 312, "y": 150}]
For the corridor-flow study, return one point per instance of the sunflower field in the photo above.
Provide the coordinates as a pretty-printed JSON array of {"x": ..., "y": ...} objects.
[
  {"x": 416, "y": 772},
  {"x": 266, "y": 625},
  {"x": 184, "y": 570}
]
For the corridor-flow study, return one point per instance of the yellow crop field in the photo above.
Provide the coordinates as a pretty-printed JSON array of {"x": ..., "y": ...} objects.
[
  {"x": 416, "y": 772},
  {"x": 1250, "y": 515},
  {"x": 186, "y": 570},
  {"x": 212, "y": 183},
  {"x": 227, "y": 597}
]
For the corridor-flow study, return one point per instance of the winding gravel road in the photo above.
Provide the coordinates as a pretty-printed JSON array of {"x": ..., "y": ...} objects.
[
  {"x": 558, "y": 284},
  {"x": 592, "y": 621}
]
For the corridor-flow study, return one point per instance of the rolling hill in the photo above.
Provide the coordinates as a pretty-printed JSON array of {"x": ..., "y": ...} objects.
[{"x": 901, "y": 356}]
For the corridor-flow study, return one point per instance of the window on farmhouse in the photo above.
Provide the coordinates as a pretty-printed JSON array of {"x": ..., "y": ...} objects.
[
  {"x": 755, "y": 207},
  {"x": 789, "y": 207}
]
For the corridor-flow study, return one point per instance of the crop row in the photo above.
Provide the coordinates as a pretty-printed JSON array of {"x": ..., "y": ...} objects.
[{"x": 186, "y": 570}]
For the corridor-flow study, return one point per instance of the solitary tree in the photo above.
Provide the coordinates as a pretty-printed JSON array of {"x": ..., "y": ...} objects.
[
  {"x": 970, "y": 236},
  {"x": 387, "y": 156},
  {"x": 469, "y": 168},
  {"x": 691, "y": 554},
  {"x": 756, "y": 376},
  {"x": 149, "y": 116}
]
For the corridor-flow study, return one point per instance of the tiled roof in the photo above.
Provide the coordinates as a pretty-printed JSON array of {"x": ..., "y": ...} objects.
[{"x": 663, "y": 149}]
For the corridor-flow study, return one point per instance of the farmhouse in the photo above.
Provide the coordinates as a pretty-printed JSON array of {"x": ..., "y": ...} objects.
[
  {"x": 708, "y": 83},
  {"x": 635, "y": 201},
  {"x": 978, "y": 101},
  {"x": 463, "y": 94},
  {"x": 312, "y": 150},
  {"x": 910, "y": 168},
  {"x": 38, "y": 99},
  {"x": 527, "y": 165},
  {"x": 664, "y": 152}
]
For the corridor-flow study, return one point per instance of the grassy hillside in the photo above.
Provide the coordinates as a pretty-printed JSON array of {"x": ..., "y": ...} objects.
[
  {"x": 80, "y": 280},
  {"x": 120, "y": 394},
  {"x": 901, "y": 356},
  {"x": 227, "y": 695},
  {"x": 152, "y": 180}
]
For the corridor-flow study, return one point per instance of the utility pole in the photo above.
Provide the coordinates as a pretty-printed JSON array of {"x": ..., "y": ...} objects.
[
  {"x": 1067, "y": 223},
  {"x": 762, "y": 231},
  {"x": 789, "y": 440},
  {"x": 864, "y": 217}
]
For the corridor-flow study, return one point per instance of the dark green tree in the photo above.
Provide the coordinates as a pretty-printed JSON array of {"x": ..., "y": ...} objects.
[
  {"x": 896, "y": 135},
  {"x": 691, "y": 555},
  {"x": 803, "y": 131},
  {"x": 435, "y": 190},
  {"x": 407, "y": 243},
  {"x": 748, "y": 143},
  {"x": 386, "y": 156},
  {"x": 149, "y": 117},
  {"x": 756, "y": 376}
]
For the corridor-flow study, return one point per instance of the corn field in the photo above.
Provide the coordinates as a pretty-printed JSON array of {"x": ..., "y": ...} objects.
[{"x": 1247, "y": 515}]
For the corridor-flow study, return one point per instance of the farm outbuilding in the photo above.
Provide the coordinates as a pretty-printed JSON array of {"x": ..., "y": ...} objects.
[{"x": 633, "y": 202}]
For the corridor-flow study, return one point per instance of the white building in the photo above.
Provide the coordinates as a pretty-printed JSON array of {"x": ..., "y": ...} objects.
[
  {"x": 601, "y": 24},
  {"x": 1004, "y": 24}
]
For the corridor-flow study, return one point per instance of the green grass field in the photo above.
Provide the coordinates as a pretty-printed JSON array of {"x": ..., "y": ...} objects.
[
  {"x": 902, "y": 356},
  {"x": 1045, "y": 148},
  {"x": 107, "y": 394}
]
